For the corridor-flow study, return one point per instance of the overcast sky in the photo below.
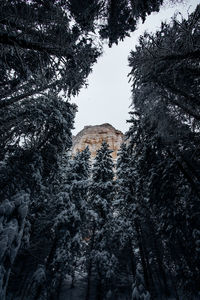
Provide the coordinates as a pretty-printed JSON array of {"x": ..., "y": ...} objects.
[{"x": 107, "y": 98}]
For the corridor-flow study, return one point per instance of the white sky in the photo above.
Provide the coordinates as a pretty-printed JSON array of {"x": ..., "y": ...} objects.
[{"x": 108, "y": 97}]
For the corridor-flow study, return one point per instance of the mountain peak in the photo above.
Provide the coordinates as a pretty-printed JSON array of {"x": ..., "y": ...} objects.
[{"x": 93, "y": 136}]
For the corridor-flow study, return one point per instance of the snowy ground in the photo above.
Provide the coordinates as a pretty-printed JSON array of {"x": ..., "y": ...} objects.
[{"x": 76, "y": 293}]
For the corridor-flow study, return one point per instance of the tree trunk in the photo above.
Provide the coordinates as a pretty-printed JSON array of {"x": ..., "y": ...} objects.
[
  {"x": 87, "y": 296},
  {"x": 99, "y": 295},
  {"x": 142, "y": 256}
]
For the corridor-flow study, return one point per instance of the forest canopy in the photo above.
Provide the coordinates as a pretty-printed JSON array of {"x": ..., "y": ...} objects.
[{"x": 131, "y": 230}]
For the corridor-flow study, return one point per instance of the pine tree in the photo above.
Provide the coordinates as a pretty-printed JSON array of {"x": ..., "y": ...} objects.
[
  {"x": 42, "y": 50},
  {"x": 165, "y": 132},
  {"x": 123, "y": 231},
  {"x": 35, "y": 127},
  {"x": 70, "y": 223},
  {"x": 165, "y": 68},
  {"x": 114, "y": 20},
  {"x": 159, "y": 182},
  {"x": 100, "y": 258},
  {"x": 123, "y": 186},
  {"x": 139, "y": 292},
  {"x": 28, "y": 167}
]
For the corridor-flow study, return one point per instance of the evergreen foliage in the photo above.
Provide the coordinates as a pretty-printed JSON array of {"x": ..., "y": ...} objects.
[
  {"x": 114, "y": 20},
  {"x": 30, "y": 150},
  {"x": 100, "y": 258},
  {"x": 58, "y": 221},
  {"x": 70, "y": 225},
  {"x": 42, "y": 54},
  {"x": 166, "y": 65},
  {"x": 163, "y": 144},
  {"x": 132, "y": 233},
  {"x": 41, "y": 50}
]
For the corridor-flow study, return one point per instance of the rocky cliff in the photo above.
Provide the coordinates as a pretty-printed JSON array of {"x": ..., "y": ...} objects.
[{"x": 93, "y": 136}]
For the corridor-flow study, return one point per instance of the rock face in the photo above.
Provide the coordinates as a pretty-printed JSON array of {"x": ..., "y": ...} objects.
[{"x": 93, "y": 136}]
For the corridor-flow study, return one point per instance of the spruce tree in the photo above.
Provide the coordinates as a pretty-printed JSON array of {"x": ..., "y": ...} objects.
[
  {"x": 27, "y": 166},
  {"x": 100, "y": 259},
  {"x": 42, "y": 50},
  {"x": 123, "y": 230},
  {"x": 116, "y": 19},
  {"x": 162, "y": 223},
  {"x": 70, "y": 223},
  {"x": 164, "y": 138}
]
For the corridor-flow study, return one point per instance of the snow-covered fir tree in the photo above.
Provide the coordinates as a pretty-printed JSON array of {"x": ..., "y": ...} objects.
[
  {"x": 100, "y": 259},
  {"x": 123, "y": 186},
  {"x": 63, "y": 220},
  {"x": 28, "y": 166},
  {"x": 160, "y": 218},
  {"x": 71, "y": 223},
  {"x": 139, "y": 292},
  {"x": 164, "y": 137},
  {"x": 138, "y": 236},
  {"x": 123, "y": 232}
]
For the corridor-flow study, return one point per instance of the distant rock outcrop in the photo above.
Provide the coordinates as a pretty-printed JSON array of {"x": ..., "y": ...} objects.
[{"x": 93, "y": 136}]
